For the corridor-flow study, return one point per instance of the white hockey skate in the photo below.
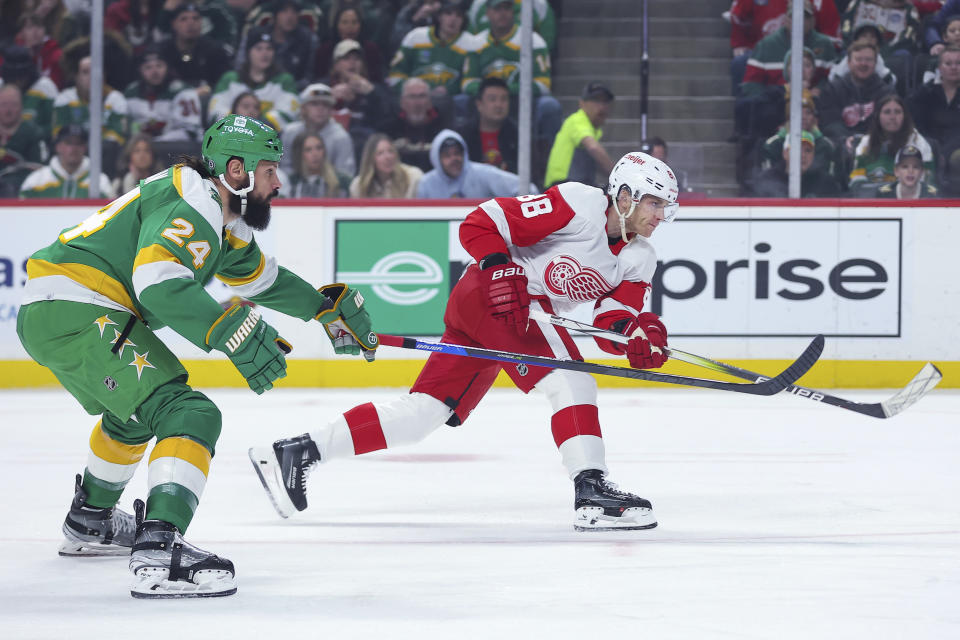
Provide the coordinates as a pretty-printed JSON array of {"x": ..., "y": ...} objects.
[
  {"x": 165, "y": 565},
  {"x": 283, "y": 470},
  {"x": 95, "y": 531},
  {"x": 601, "y": 506}
]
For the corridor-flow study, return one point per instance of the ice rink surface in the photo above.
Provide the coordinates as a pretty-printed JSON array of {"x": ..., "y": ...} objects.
[{"x": 779, "y": 518}]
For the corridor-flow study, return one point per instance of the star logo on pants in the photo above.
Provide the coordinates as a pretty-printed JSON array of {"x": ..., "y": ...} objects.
[
  {"x": 102, "y": 323},
  {"x": 140, "y": 362},
  {"x": 126, "y": 343}
]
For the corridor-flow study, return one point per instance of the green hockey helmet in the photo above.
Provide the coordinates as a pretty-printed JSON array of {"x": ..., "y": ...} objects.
[{"x": 241, "y": 137}]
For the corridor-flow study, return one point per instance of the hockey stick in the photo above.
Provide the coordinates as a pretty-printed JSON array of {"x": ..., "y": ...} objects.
[
  {"x": 765, "y": 387},
  {"x": 926, "y": 379}
]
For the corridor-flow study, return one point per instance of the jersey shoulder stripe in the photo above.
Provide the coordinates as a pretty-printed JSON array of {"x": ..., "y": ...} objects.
[
  {"x": 200, "y": 194},
  {"x": 418, "y": 37}
]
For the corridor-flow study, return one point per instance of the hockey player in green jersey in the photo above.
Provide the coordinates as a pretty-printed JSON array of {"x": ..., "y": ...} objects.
[{"x": 94, "y": 299}]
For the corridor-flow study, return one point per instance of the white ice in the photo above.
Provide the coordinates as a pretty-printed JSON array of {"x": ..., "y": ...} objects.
[{"x": 779, "y": 518}]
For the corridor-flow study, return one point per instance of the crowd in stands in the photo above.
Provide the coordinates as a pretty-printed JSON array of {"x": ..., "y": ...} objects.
[
  {"x": 372, "y": 98},
  {"x": 881, "y": 109}
]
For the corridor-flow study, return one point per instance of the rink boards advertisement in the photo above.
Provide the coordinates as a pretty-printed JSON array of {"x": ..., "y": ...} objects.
[{"x": 742, "y": 283}]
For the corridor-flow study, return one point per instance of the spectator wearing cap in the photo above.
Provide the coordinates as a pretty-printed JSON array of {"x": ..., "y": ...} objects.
[
  {"x": 825, "y": 151},
  {"x": 935, "y": 105},
  {"x": 498, "y": 55},
  {"x": 577, "y": 154},
  {"x": 32, "y": 35},
  {"x": 67, "y": 175},
  {"x": 814, "y": 182},
  {"x": 435, "y": 53},
  {"x": 218, "y": 20},
  {"x": 868, "y": 32},
  {"x": 846, "y": 104},
  {"x": 313, "y": 176},
  {"x": 891, "y": 129},
  {"x": 657, "y": 147},
  {"x": 454, "y": 176},
  {"x": 909, "y": 183},
  {"x": 38, "y": 92},
  {"x": 415, "y": 125},
  {"x": 162, "y": 106},
  {"x": 381, "y": 174},
  {"x": 72, "y": 106},
  {"x": 348, "y": 25},
  {"x": 361, "y": 104},
  {"x": 316, "y": 109},
  {"x": 934, "y": 33},
  {"x": 544, "y": 21},
  {"x": 196, "y": 59},
  {"x": 22, "y": 147},
  {"x": 492, "y": 137},
  {"x": 262, "y": 75}
]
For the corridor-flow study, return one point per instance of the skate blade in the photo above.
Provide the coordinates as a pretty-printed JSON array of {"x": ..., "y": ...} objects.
[
  {"x": 72, "y": 549},
  {"x": 264, "y": 463},
  {"x": 156, "y": 586},
  {"x": 594, "y": 519}
]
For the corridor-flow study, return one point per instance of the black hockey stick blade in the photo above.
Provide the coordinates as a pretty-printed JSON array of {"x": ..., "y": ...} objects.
[
  {"x": 926, "y": 379},
  {"x": 764, "y": 387}
]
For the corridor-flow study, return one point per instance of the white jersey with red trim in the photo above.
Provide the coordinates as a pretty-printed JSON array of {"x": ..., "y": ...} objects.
[{"x": 560, "y": 240}]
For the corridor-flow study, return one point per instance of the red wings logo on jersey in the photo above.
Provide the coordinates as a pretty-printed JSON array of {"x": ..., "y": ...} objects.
[{"x": 564, "y": 276}]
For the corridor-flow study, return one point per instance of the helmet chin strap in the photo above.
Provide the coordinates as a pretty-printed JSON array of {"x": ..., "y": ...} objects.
[
  {"x": 242, "y": 192},
  {"x": 623, "y": 217}
]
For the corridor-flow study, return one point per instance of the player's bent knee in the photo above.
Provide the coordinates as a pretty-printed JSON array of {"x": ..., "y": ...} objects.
[
  {"x": 412, "y": 418},
  {"x": 175, "y": 409},
  {"x": 568, "y": 388}
]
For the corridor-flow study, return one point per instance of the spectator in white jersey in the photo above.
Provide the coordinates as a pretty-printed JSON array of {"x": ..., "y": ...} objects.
[
  {"x": 160, "y": 105},
  {"x": 262, "y": 74},
  {"x": 316, "y": 110}
]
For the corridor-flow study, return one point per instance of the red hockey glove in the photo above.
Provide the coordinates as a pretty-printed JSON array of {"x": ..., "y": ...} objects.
[
  {"x": 648, "y": 341},
  {"x": 506, "y": 285}
]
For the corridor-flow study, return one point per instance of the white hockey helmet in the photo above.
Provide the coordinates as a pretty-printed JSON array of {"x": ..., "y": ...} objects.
[{"x": 642, "y": 174}]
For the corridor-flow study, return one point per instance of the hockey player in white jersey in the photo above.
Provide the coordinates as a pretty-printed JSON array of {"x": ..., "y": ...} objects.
[{"x": 570, "y": 246}]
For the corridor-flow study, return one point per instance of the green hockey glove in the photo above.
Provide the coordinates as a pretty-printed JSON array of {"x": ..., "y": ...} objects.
[
  {"x": 251, "y": 344},
  {"x": 347, "y": 322}
]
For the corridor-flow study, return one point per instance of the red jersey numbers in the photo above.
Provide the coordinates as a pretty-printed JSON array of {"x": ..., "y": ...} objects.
[{"x": 535, "y": 205}]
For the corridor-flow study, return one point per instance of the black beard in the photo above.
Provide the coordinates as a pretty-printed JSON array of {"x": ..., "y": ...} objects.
[{"x": 257, "y": 215}]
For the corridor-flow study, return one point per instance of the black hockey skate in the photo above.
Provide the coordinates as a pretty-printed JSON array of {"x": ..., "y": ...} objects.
[
  {"x": 283, "y": 471},
  {"x": 165, "y": 565},
  {"x": 96, "y": 531},
  {"x": 600, "y": 506}
]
